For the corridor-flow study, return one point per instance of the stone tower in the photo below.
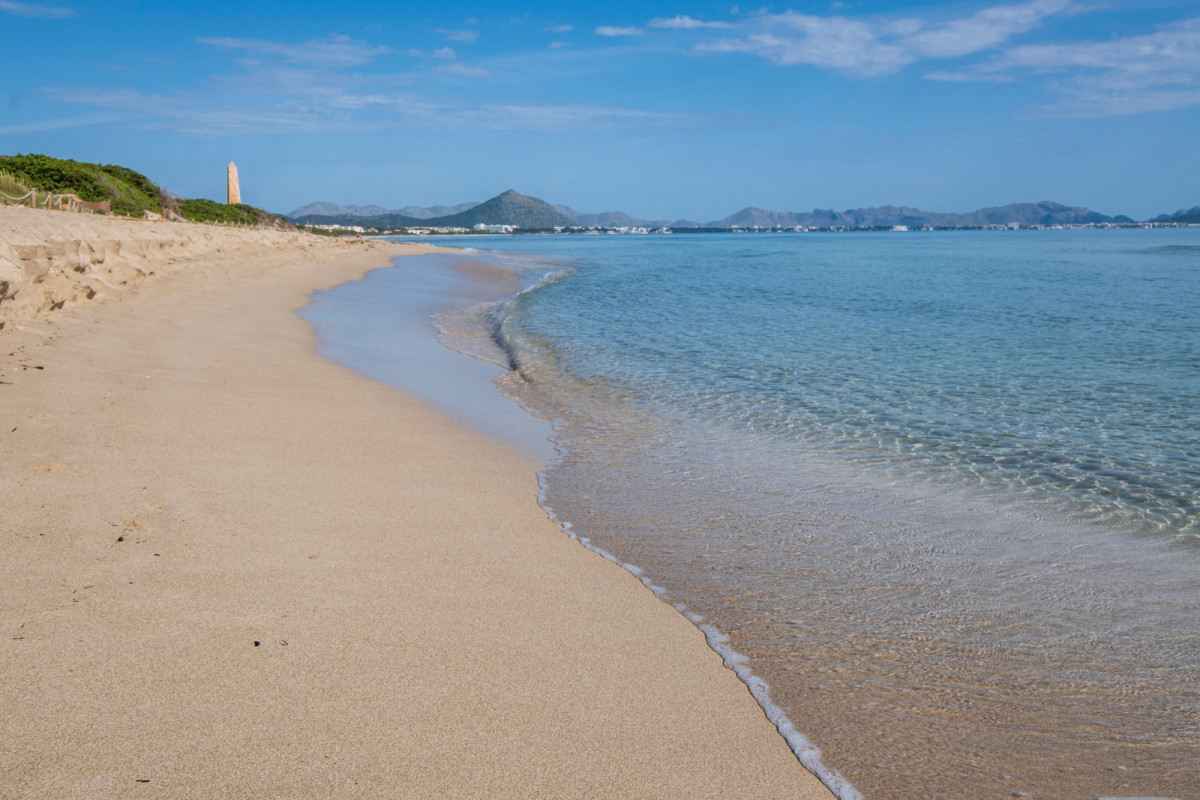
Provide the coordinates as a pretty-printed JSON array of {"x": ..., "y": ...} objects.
[{"x": 235, "y": 191}]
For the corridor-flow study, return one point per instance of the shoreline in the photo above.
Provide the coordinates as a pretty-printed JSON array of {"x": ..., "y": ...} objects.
[
  {"x": 233, "y": 567},
  {"x": 409, "y": 339},
  {"x": 628, "y": 491},
  {"x": 379, "y": 343}
]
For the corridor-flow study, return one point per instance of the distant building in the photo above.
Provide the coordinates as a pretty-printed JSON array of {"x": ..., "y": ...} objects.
[{"x": 235, "y": 191}]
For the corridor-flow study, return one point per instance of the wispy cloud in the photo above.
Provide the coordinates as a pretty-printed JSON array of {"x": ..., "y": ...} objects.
[
  {"x": 867, "y": 47},
  {"x": 464, "y": 71},
  {"x": 561, "y": 117},
  {"x": 559, "y": 28},
  {"x": 34, "y": 10},
  {"x": 1127, "y": 75},
  {"x": 1134, "y": 74},
  {"x": 466, "y": 36},
  {"x": 295, "y": 88},
  {"x": 336, "y": 51},
  {"x": 65, "y": 123},
  {"x": 609, "y": 30},
  {"x": 686, "y": 23},
  {"x": 204, "y": 115}
]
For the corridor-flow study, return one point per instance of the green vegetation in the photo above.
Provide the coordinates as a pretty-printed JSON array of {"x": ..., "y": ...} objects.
[
  {"x": 11, "y": 187},
  {"x": 131, "y": 193},
  {"x": 201, "y": 210}
]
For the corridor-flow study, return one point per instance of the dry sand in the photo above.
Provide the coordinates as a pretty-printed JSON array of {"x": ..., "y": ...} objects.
[{"x": 230, "y": 568}]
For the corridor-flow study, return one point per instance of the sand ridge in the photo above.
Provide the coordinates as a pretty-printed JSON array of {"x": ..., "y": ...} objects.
[
  {"x": 230, "y": 568},
  {"x": 52, "y": 260}
]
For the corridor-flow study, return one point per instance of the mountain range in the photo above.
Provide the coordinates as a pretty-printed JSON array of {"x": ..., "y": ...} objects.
[
  {"x": 323, "y": 209},
  {"x": 512, "y": 208},
  {"x": 509, "y": 208},
  {"x": 1186, "y": 216}
]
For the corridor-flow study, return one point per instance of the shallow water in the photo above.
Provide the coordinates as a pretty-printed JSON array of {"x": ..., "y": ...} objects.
[{"x": 943, "y": 490}]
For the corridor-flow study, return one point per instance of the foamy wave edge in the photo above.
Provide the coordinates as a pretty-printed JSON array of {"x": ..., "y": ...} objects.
[{"x": 807, "y": 753}]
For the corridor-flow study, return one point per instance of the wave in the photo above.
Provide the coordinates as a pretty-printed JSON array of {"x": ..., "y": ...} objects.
[{"x": 807, "y": 753}]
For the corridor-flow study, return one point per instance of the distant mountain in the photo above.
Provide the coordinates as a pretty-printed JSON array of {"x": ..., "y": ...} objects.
[
  {"x": 386, "y": 220},
  {"x": 323, "y": 209},
  {"x": 416, "y": 212},
  {"x": 510, "y": 208},
  {"x": 609, "y": 219},
  {"x": 1044, "y": 213},
  {"x": 1186, "y": 216}
]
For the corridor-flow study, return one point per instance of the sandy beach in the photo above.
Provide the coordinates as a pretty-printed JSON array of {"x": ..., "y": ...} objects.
[{"x": 230, "y": 568}]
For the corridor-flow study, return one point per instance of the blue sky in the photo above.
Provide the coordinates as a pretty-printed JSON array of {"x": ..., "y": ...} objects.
[{"x": 661, "y": 109}]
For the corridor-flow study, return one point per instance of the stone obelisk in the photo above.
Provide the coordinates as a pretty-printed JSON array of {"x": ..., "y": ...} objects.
[{"x": 235, "y": 191}]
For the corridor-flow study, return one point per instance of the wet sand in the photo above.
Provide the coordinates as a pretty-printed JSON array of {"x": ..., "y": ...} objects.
[{"x": 230, "y": 568}]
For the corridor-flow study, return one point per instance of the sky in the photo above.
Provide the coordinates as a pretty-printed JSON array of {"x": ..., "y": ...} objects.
[{"x": 662, "y": 109}]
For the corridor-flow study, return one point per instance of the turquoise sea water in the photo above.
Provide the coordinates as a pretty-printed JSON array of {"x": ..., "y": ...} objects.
[{"x": 942, "y": 490}]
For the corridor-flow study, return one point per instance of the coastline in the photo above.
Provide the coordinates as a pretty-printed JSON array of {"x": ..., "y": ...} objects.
[{"x": 231, "y": 567}]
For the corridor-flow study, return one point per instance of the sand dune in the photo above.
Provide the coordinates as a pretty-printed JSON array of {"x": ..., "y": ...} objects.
[{"x": 52, "y": 260}]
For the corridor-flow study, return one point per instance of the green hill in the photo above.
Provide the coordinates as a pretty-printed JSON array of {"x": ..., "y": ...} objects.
[
  {"x": 131, "y": 193},
  {"x": 201, "y": 210}
]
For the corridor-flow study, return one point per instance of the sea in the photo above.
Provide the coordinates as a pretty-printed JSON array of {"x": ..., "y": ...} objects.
[{"x": 934, "y": 495}]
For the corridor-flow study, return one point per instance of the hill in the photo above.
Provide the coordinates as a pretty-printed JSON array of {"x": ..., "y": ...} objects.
[
  {"x": 324, "y": 209},
  {"x": 129, "y": 193},
  {"x": 512, "y": 208},
  {"x": 1043, "y": 213},
  {"x": 1184, "y": 216},
  {"x": 509, "y": 208},
  {"x": 201, "y": 210},
  {"x": 609, "y": 219},
  {"x": 380, "y": 221}
]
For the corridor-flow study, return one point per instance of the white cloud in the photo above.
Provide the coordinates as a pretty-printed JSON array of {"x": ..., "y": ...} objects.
[
  {"x": 446, "y": 53},
  {"x": 463, "y": 71},
  {"x": 518, "y": 116},
  {"x": 337, "y": 51},
  {"x": 210, "y": 115},
  {"x": 559, "y": 28},
  {"x": 1151, "y": 72},
  {"x": 558, "y": 45},
  {"x": 466, "y": 36},
  {"x": 683, "y": 22},
  {"x": 34, "y": 10},
  {"x": 965, "y": 77},
  {"x": 608, "y": 30},
  {"x": 300, "y": 88},
  {"x": 873, "y": 46}
]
